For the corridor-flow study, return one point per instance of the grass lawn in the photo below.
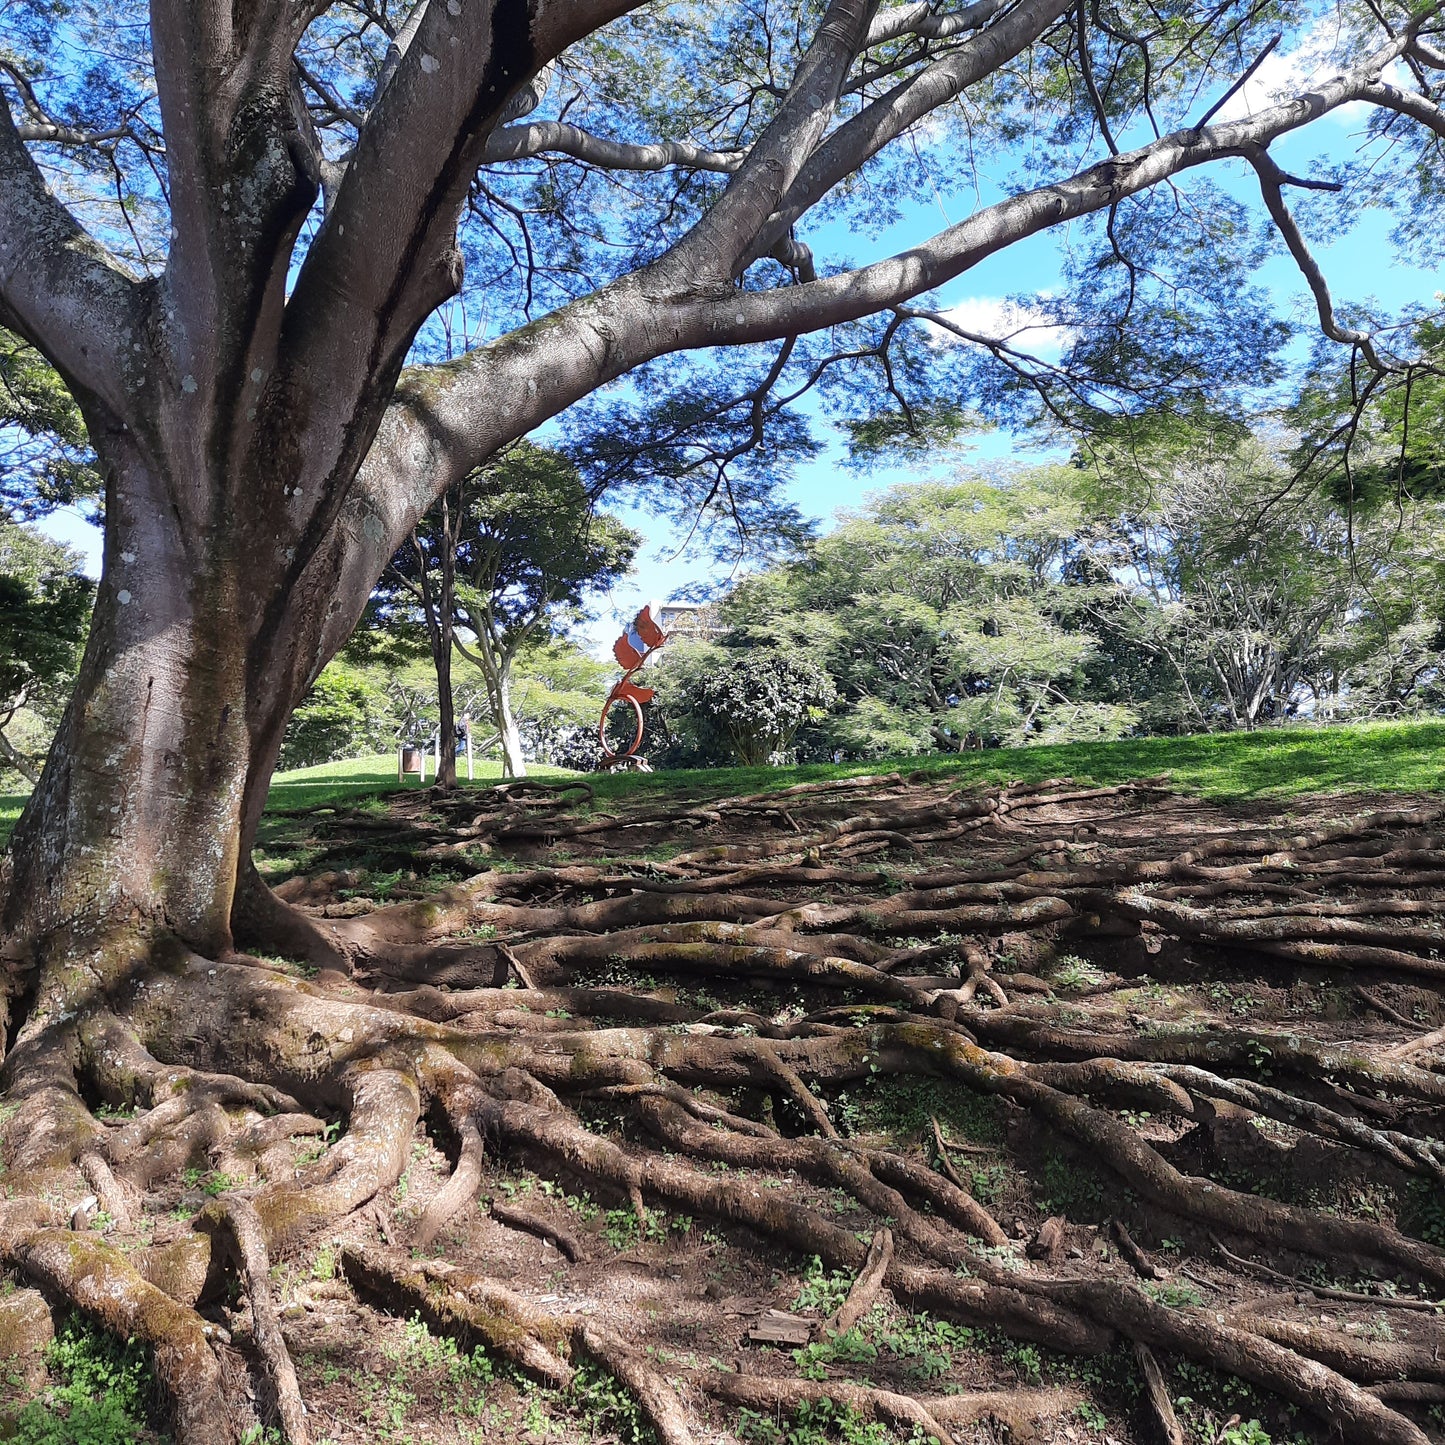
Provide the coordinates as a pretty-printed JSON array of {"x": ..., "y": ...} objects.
[
  {"x": 1385, "y": 757},
  {"x": 357, "y": 777},
  {"x": 1388, "y": 757}
]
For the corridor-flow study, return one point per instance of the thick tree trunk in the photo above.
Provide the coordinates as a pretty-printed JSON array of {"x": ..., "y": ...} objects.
[
  {"x": 136, "y": 819},
  {"x": 142, "y": 821}
]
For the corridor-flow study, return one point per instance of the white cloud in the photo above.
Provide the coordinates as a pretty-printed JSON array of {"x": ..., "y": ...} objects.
[
  {"x": 1027, "y": 328},
  {"x": 1322, "y": 54}
]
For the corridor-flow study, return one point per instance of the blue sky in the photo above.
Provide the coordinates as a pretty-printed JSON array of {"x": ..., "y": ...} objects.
[{"x": 1359, "y": 263}]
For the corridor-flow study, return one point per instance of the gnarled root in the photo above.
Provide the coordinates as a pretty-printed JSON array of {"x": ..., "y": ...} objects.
[
  {"x": 99, "y": 1280},
  {"x": 250, "y": 1237}
]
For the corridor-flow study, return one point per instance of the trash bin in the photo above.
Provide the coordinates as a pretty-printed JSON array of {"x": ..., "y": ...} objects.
[{"x": 411, "y": 759}]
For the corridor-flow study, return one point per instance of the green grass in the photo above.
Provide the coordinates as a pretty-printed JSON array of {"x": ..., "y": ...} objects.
[
  {"x": 358, "y": 777},
  {"x": 1388, "y": 757},
  {"x": 1279, "y": 763}
]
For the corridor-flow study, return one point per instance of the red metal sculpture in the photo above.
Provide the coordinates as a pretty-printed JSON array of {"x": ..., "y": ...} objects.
[{"x": 631, "y": 650}]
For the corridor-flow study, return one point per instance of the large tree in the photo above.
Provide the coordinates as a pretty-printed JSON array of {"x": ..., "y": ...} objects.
[
  {"x": 944, "y": 613},
  {"x": 298, "y": 189}
]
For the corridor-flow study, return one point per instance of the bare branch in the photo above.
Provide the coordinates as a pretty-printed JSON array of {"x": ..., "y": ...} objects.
[
  {"x": 1271, "y": 181},
  {"x": 1086, "y": 68},
  {"x": 1238, "y": 84}
]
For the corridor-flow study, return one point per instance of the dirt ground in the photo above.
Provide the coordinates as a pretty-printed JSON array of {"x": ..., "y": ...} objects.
[{"x": 1174, "y": 1175}]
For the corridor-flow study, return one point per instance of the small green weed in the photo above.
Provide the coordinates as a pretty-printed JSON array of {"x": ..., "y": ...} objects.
[
  {"x": 607, "y": 1407},
  {"x": 815, "y": 1422},
  {"x": 820, "y": 1290},
  {"x": 1176, "y": 1296},
  {"x": 1071, "y": 1186},
  {"x": 925, "y": 1345},
  {"x": 105, "y": 1392},
  {"x": 851, "y": 1347}
]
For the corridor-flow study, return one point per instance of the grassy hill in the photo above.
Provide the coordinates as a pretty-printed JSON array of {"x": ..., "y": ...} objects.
[
  {"x": 1385, "y": 757},
  {"x": 1388, "y": 757}
]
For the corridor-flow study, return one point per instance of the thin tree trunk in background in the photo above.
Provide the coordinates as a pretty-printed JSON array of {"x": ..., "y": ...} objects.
[
  {"x": 438, "y": 612},
  {"x": 513, "y": 763},
  {"x": 16, "y": 761}
]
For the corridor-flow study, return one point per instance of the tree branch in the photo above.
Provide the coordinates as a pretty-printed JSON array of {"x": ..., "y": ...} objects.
[
  {"x": 862, "y": 137},
  {"x": 59, "y": 287},
  {"x": 386, "y": 253},
  {"x": 551, "y": 137},
  {"x": 920, "y": 20},
  {"x": 1404, "y": 102},
  {"x": 766, "y": 315},
  {"x": 1271, "y": 183},
  {"x": 713, "y": 251},
  {"x": 446, "y": 420}
]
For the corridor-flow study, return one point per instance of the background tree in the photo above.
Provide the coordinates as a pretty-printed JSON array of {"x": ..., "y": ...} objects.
[
  {"x": 46, "y": 459},
  {"x": 45, "y": 603},
  {"x": 941, "y": 612},
  {"x": 508, "y": 561},
  {"x": 740, "y": 703},
  {"x": 344, "y": 715},
  {"x": 1258, "y": 592}
]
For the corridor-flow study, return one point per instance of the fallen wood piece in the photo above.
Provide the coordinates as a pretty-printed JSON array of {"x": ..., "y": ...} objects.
[
  {"x": 1158, "y": 1393},
  {"x": 1048, "y": 1243},
  {"x": 778, "y": 1327},
  {"x": 865, "y": 1287},
  {"x": 1139, "y": 1262},
  {"x": 520, "y": 1219}
]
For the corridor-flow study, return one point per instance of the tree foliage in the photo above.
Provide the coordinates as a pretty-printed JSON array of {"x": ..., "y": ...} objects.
[
  {"x": 743, "y": 704},
  {"x": 509, "y": 560},
  {"x": 45, "y": 603},
  {"x": 1192, "y": 587}
]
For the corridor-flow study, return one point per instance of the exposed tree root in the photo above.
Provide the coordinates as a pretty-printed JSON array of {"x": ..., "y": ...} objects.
[
  {"x": 757, "y": 1392},
  {"x": 865, "y": 1288},
  {"x": 255, "y": 1264},
  {"x": 808, "y": 981}
]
